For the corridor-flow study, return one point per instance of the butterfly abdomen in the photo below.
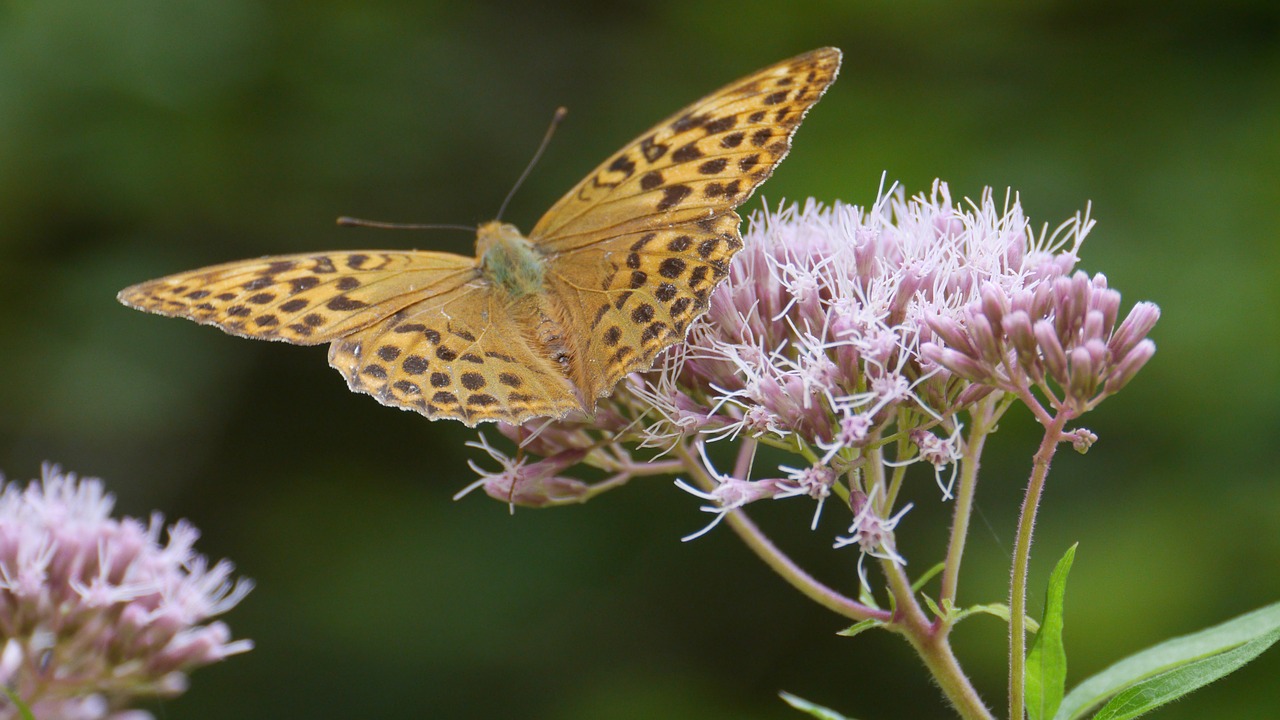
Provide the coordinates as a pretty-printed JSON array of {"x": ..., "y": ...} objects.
[{"x": 509, "y": 260}]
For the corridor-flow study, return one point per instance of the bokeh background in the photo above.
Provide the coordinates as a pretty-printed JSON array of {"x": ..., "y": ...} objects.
[{"x": 145, "y": 137}]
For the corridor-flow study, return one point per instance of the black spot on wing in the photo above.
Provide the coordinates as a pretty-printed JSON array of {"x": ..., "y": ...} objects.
[
  {"x": 673, "y": 195},
  {"x": 651, "y": 180},
  {"x": 623, "y": 164},
  {"x": 686, "y": 153},
  {"x": 724, "y": 124},
  {"x": 342, "y": 303},
  {"x": 671, "y": 268}
]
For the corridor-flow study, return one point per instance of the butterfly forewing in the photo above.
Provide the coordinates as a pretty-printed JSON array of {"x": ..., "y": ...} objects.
[
  {"x": 699, "y": 162},
  {"x": 302, "y": 299},
  {"x": 638, "y": 245}
]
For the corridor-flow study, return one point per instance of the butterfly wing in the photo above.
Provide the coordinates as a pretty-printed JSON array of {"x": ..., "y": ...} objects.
[
  {"x": 648, "y": 288},
  {"x": 631, "y": 256},
  {"x": 302, "y": 299},
  {"x": 635, "y": 249},
  {"x": 466, "y": 354}
]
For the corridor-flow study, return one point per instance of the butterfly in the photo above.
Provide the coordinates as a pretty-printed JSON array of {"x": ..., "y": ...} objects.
[{"x": 539, "y": 325}]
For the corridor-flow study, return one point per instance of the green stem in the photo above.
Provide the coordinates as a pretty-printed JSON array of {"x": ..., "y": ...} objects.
[
  {"x": 1022, "y": 559},
  {"x": 929, "y": 639},
  {"x": 983, "y": 417},
  {"x": 932, "y": 643}
]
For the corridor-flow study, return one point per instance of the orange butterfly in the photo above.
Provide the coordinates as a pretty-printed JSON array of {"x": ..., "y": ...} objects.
[{"x": 540, "y": 325}]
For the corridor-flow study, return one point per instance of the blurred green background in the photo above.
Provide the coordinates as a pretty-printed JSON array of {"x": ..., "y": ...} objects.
[{"x": 143, "y": 137}]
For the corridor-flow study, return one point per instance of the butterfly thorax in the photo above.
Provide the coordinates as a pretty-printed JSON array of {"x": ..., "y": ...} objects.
[{"x": 509, "y": 260}]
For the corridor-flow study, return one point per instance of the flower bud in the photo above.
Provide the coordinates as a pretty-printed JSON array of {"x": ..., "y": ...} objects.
[{"x": 1129, "y": 366}]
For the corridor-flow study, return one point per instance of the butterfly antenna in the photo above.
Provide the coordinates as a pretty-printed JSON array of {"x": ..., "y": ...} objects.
[
  {"x": 357, "y": 222},
  {"x": 546, "y": 140}
]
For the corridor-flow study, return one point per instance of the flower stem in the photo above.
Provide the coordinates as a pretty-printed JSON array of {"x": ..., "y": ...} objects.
[
  {"x": 763, "y": 547},
  {"x": 1022, "y": 559},
  {"x": 983, "y": 417},
  {"x": 932, "y": 644}
]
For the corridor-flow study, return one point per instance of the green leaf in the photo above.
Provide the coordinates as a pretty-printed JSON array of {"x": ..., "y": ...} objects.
[
  {"x": 1165, "y": 687},
  {"x": 859, "y": 627},
  {"x": 1256, "y": 630},
  {"x": 933, "y": 607},
  {"x": 999, "y": 610},
  {"x": 927, "y": 576},
  {"x": 24, "y": 712},
  {"x": 813, "y": 709},
  {"x": 1046, "y": 669}
]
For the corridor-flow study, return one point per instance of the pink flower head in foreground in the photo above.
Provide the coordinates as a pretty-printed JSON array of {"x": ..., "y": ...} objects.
[
  {"x": 815, "y": 336},
  {"x": 96, "y": 612},
  {"x": 855, "y": 338}
]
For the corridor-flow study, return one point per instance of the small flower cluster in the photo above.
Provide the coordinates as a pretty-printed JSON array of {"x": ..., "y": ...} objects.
[
  {"x": 856, "y": 338},
  {"x": 1059, "y": 337},
  {"x": 97, "y": 612}
]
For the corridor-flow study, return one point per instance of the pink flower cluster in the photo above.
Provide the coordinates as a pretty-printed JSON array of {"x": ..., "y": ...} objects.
[
  {"x": 816, "y": 333},
  {"x": 856, "y": 339},
  {"x": 97, "y": 612}
]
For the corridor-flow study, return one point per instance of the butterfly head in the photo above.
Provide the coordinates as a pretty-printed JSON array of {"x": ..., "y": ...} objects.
[{"x": 508, "y": 260}]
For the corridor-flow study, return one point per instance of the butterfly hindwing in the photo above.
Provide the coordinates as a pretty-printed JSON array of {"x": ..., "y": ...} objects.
[{"x": 467, "y": 354}]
